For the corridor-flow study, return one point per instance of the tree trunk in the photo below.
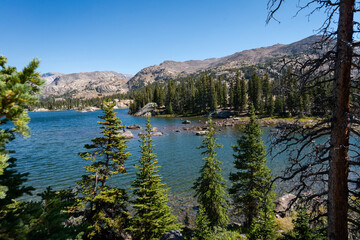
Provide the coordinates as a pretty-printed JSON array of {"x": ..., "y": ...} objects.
[{"x": 340, "y": 129}]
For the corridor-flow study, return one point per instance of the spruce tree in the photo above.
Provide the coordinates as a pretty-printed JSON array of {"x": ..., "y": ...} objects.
[
  {"x": 210, "y": 186},
  {"x": 253, "y": 177},
  {"x": 152, "y": 214},
  {"x": 243, "y": 98},
  {"x": 104, "y": 206}
]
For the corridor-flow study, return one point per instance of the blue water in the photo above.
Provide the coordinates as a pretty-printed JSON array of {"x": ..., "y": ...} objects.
[{"x": 50, "y": 155}]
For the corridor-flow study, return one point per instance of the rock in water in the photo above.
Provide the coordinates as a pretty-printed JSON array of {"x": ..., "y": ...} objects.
[
  {"x": 147, "y": 111},
  {"x": 186, "y": 122},
  {"x": 201, "y": 133},
  {"x": 126, "y": 134},
  {"x": 172, "y": 235},
  {"x": 134, "y": 126}
]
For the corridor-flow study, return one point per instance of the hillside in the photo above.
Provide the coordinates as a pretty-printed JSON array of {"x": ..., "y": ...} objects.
[
  {"x": 85, "y": 84},
  {"x": 173, "y": 69}
]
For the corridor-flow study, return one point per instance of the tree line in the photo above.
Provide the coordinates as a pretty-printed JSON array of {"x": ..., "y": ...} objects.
[
  {"x": 203, "y": 94},
  {"x": 68, "y": 103}
]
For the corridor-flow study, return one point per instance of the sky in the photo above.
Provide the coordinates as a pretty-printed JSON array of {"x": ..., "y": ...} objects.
[{"x": 125, "y": 36}]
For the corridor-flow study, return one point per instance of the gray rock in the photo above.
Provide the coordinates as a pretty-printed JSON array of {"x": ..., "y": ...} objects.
[
  {"x": 134, "y": 126},
  {"x": 157, "y": 134},
  {"x": 172, "y": 235},
  {"x": 147, "y": 111},
  {"x": 186, "y": 122},
  {"x": 152, "y": 134},
  {"x": 126, "y": 134},
  {"x": 283, "y": 203},
  {"x": 222, "y": 114},
  {"x": 201, "y": 133}
]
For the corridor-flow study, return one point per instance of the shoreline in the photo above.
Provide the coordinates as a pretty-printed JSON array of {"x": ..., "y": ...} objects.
[{"x": 218, "y": 122}]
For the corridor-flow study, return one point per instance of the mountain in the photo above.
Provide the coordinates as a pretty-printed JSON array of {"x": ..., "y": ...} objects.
[
  {"x": 172, "y": 69},
  {"x": 85, "y": 84},
  {"x": 93, "y": 84}
]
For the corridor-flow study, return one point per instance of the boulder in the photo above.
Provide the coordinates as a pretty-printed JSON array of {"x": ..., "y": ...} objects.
[
  {"x": 172, "y": 235},
  {"x": 201, "y": 133},
  {"x": 221, "y": 114},
  {"x": 126, "y": 134},
  {"x": 186, "y": 122},
  {"x": 134, "y": 126},
  {"x": 147, "y": 111},
  {"x": 283, "y": 203},
  {"x": 157, "y": 134},
  {"x": 152, "y": 134}
]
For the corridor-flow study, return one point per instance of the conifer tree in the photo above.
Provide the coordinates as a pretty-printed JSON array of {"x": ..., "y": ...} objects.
[
  {"x": 225, "y": 95},
  {"x": 255, "y": 91},
  {"x": 152, "y": 214},
  {"x": 202, "y": 223},
  {"x": 210, "y": 186},
  {"x": 18, "y": 91},
  {"x": 105, "y": 206},
  {"x": 243, "y": 98},
  {"x": 264, "y": 225},
  {"x": 253, "y": 177},
  {"x": 302, "y": 229}
]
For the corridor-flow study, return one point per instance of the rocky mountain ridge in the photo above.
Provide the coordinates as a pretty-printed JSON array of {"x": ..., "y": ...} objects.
[
  {"x": 107, "y": 82},
  {"x": 172, "y": 69},
  {"x": 85, "y": 84}
]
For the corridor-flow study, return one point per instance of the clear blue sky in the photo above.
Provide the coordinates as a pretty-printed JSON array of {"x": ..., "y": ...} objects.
[{"x": 125, "y": 36}]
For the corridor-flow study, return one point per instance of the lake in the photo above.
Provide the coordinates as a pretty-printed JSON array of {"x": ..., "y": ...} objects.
[{"x": 50, "y": 155}]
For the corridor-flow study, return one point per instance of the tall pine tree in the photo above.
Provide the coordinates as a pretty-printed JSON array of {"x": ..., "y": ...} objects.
[
  {"x": 253, "y": 177},
  {"x": 104, "y": 206},
  {"x": 210, "y": 187},
  {"x": 152, "y": 214}
]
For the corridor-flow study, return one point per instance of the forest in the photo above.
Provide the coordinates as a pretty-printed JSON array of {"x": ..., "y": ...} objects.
[{"x": 205, "y": 94}]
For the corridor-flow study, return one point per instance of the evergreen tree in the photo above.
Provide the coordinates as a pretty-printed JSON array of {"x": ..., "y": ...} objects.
[
  {"x": 105, "y": 206},
  {"x": 225, "y": 95},
  {"x": 255, "y": 91},
  {"x": 18, "y": 91},
  {"x": 264, "y": 225},
  {"x": 202, "y": 223},
  {"x": 243, "y": 98},
  {"x": 302, "y": 229},
  {"x": 152, "y": 214},
  {"x": 210, "y": 187},
  {"x": 253, "y": 176}
]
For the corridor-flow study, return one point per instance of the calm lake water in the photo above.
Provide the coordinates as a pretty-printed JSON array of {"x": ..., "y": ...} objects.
[{"x": 50, "y": 155}]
